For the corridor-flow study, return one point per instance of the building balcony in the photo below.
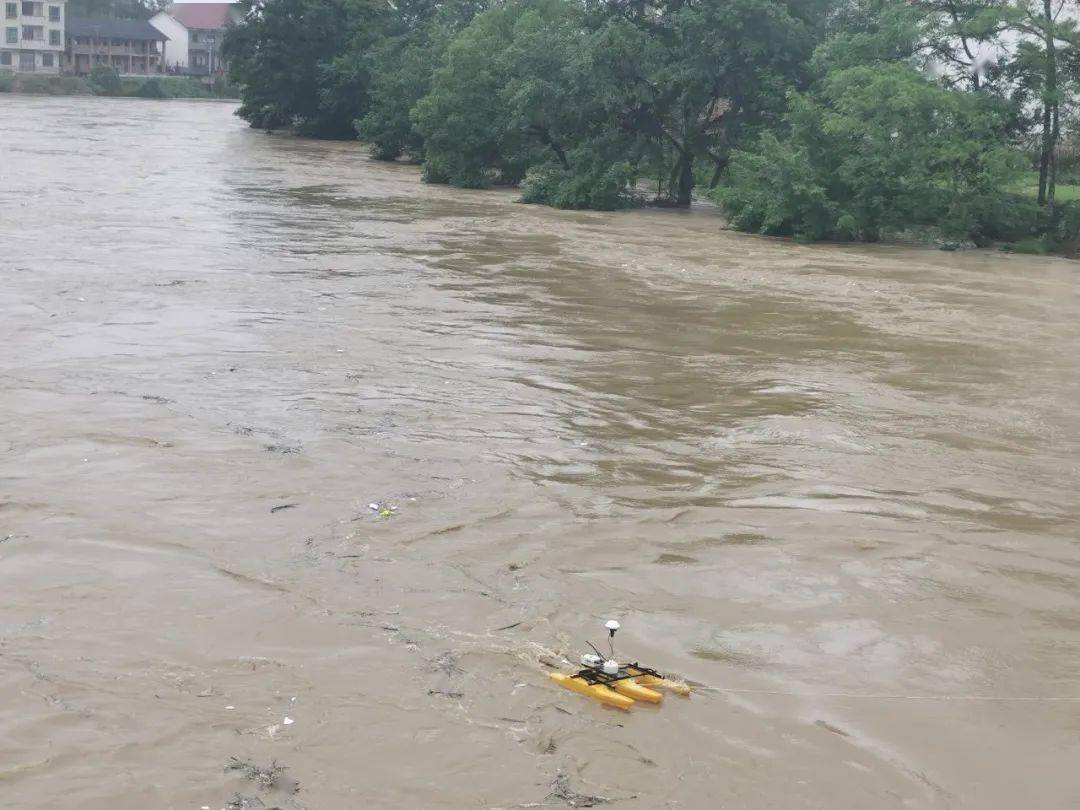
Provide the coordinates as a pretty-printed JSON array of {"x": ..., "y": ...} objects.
[
  {"x": 34, "y": 45},
  {"x": 141, "y": 65},
  {"x": 113, "y": 50}
]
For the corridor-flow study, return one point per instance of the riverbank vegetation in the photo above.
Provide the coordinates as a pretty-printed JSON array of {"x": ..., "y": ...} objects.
[
  {"x": 818, "y": 119},
  {"x": 105, "y": 81}
]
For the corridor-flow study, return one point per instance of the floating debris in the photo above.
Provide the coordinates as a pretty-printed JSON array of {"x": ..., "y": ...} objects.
[
  {"x": 241, "y": 802},
  {"x": 560, "y": 789},
  {"x": 446, "y": 693},
  {"x": 283, "y": 506},
  {"x": 383, "y": 510},
  {"x": 267, "y": 778},
  {"x": 284, "y": 449}
]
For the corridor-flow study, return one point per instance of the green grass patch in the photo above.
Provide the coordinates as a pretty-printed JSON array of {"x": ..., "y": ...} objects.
[
  {"x": 1034, "y": 246},
  {"x": 1063, "y": 192}
]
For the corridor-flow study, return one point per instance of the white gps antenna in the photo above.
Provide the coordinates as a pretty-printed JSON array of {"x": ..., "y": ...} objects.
[{"x": 612, "y": 626}]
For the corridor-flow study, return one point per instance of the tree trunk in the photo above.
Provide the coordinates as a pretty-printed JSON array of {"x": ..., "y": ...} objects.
[
  {"x": 1051, "y": 179},
  {"x": 545, "y": 138},
  {"x": 717, "y": 172},
  {"x": 1044, "y": 155},
  {"x": 1050, "y": 133},
  {"x": 685, "y": 171},
  {"x": 560, "y": 154}
]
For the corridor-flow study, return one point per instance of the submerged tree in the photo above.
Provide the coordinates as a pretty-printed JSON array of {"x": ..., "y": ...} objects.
[
  {"x": 712, "y": 73},
  {"x": 301, "y": 63},
  {"x": 825, "y": 118},
  {"x": 611, "y": 90}
]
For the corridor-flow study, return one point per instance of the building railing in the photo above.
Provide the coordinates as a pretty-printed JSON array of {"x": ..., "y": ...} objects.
[{"x": 113, "y": 50}]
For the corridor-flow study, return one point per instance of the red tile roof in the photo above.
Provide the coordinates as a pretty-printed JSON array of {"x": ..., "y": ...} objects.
[{"x": 203, "y": 15}]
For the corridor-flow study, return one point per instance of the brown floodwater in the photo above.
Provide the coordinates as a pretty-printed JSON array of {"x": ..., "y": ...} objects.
[{"x": 833, "y": 487}]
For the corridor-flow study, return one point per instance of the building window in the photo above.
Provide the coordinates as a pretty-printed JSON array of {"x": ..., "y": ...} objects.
[
  {"x": 28, "y": 9},
  {"x": 11, "y": 10},
  {"x": 5, "y": 58},
  {"x": 26, "y": 61},
  {"x": 54, "y": 37},
  {"x": 46, "y": 60},
  {"x": 12, "y": 36},
  {"x": 33, "y": 32},
  {"x": 54, "y": 13}
]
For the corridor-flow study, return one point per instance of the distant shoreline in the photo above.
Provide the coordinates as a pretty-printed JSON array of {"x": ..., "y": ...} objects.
[{"x": 149, "y": 87}]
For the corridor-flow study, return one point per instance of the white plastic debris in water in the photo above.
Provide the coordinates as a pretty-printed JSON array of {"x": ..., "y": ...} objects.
[
  {"x": 288, "y": 721},
  {"x": 229, "y": 708},
  {"x": 374, "y": 507}
]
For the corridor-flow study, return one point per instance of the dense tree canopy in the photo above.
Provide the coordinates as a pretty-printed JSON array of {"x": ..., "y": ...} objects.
[
  {"x": 118, "y": 9},
  {"x": 839, "y": 119}
]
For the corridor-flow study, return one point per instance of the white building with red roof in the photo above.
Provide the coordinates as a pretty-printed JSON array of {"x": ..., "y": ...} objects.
[{"x": 195, "y": 32}]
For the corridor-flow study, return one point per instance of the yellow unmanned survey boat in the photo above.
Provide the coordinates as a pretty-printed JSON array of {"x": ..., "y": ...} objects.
[{"x": 617, "y": 685}]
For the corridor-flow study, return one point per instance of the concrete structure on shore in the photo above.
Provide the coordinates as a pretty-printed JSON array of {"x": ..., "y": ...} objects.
[
  {"x": 33, "y": 36},
  {"x": 131, "y": 47}
]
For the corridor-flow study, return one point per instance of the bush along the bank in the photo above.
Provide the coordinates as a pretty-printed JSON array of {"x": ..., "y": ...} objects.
[
  {"x": 151, "y": 88},
  {"x": 32, "y": 84},
  {"x": 105, "y": 81},
  {"x": 880, "y": 148},
  {"x": 818, "y": 119}
]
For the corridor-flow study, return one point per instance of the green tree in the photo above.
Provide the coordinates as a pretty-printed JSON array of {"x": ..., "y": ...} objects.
[
  {"x": 468, "y": 139},
  {"x": 606, "y": 91},
  {"x": 301, "y": 63},
  {"x": 561, "y": 98},
  {"x": 401, "y": 76},
  {"x": 702, "y": 76},
  {"x": 525, "y": 89},
  {"x": 963, "y": 37},
  {"x": 415, "y": 40},
  {"x": 878, "y": 148},
  {"x": 117, "y": 9},
  {"x": 1048, "y": 43}
]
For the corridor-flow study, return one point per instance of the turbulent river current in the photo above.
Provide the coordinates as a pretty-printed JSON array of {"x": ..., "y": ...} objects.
[{"x": 305, "y": 462}]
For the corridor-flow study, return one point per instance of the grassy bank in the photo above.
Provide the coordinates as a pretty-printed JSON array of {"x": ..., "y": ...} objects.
[
  {"x": 1063, "y": 192},
  {"x": 112, "y": 85}
]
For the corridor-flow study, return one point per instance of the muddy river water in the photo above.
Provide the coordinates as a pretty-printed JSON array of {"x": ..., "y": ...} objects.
[{"x": 833, "y": 487}]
